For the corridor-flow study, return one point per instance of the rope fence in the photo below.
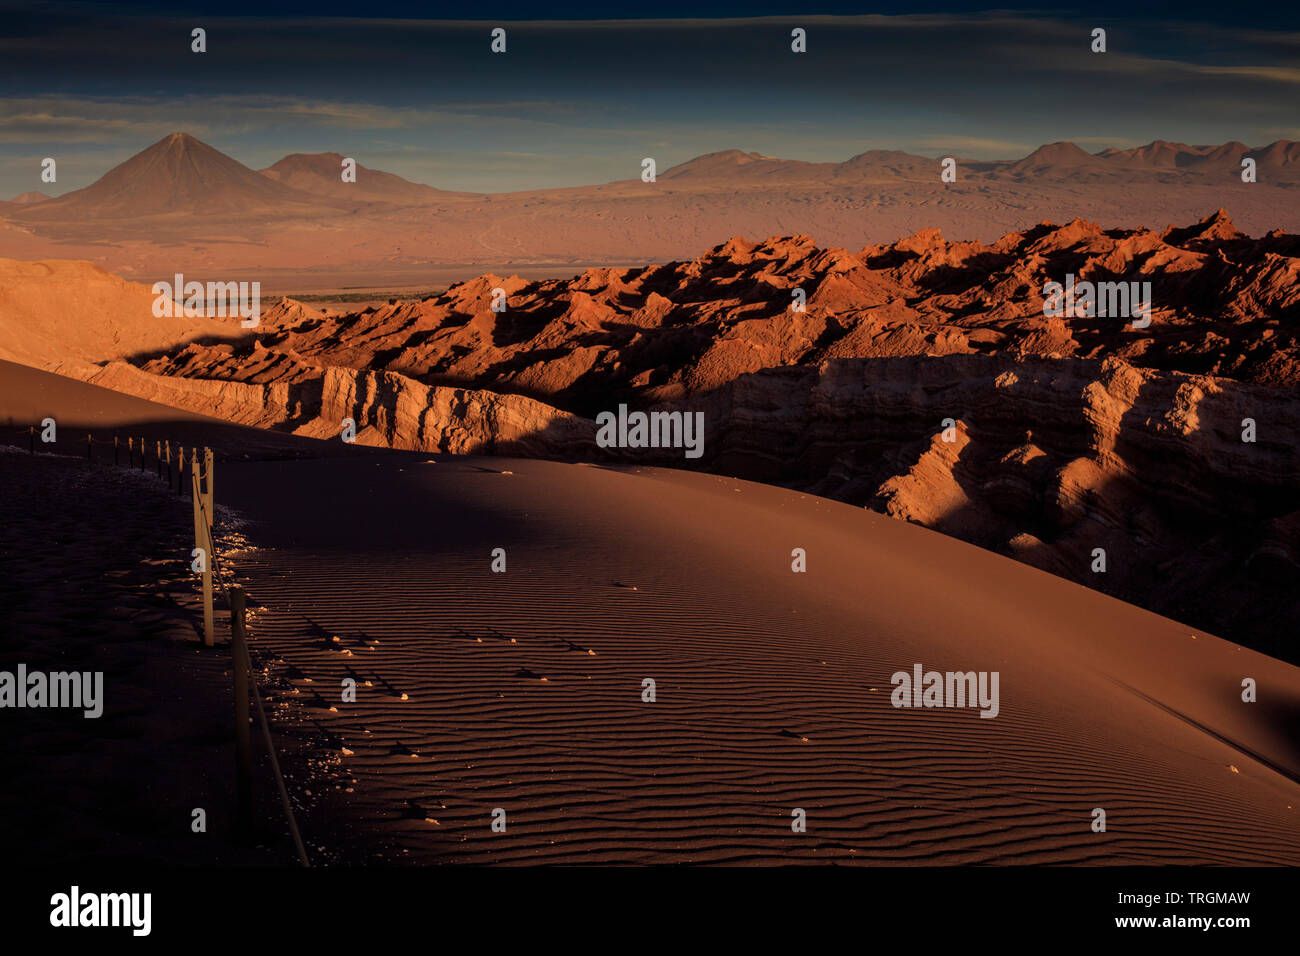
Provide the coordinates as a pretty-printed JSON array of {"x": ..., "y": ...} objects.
[
  {"x": 206, "y": 561},
  {"x": 243, "y": 664}
]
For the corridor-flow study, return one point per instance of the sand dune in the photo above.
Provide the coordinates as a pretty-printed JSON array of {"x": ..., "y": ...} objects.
[
  {"x": 522, "y": 690},
  {"x": 76, "y": 314}
]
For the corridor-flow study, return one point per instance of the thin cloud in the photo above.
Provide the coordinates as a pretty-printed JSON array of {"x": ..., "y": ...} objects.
[{"x": 974, "y": 144}]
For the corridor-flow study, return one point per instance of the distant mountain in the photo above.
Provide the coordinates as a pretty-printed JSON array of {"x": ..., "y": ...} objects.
[
  {"x": 1229, "y": 154},
  {"x": 724, "y": 166},
  {"x": 26, "y": 199},
  {"x": 1279, "y": 161},
  {"x": 1062, "y": 161},
  {"x": 176, "y": 175},
  {"x": 889, "y": 162},
  {"x": 1056, "y": 159},
  {"x": 320, "y": 174},
  {"x": 1155, "y": 155},
  {"x": 732, "y": 166}
]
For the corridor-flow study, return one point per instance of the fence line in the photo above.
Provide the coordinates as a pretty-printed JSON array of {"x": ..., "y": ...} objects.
[
  {"x": 242, "y": 665},
  {"x": 201, "y": 487}
]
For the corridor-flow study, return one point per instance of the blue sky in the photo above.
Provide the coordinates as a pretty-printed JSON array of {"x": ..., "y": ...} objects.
[{"x": 582, "y": 101}]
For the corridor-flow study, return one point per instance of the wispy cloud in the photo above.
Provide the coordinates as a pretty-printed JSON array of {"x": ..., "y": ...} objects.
[
  {"x": 1278, "y": 74},
  {"x": 972, "y": 145}
]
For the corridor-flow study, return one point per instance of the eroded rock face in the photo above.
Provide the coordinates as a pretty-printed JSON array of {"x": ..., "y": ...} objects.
[
  {"x": 1222, "y": 304},
  {"x": 388, "y": 410},
  {"x": 1049, "y": 461},
  {"x": 1076, "y": 441}
]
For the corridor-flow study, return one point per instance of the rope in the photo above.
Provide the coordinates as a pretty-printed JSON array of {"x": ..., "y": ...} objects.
[
  {"x": 275, "y": 765},
  {"x": 257, "y": 697}
]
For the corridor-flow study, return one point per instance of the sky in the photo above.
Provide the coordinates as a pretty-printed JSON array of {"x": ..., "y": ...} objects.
[{"x": 575, "y": 101}]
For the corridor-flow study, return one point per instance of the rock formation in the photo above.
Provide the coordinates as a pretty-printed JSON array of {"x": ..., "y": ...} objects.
[{"x": 920, "y": 378}]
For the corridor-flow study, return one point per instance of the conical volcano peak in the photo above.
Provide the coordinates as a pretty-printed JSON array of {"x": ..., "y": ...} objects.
[{"x": 176, "y": 175}]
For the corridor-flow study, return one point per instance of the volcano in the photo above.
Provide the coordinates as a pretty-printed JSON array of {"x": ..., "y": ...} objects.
[
  {"x": 177, "y": 175},
  {"x": 319, "y": 174}
]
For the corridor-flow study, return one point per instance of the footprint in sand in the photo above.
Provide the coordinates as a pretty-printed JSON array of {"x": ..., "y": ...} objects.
[
  {"x": 414, "y": 811},
  {"x": 525, "y": 672},
  {"x": 361, "y": 681},
  {"x": 293, "y": 672},
  {"x": 790, "y": 733},
  {"x": 318, "y": 701},
  {"x": 335, "y": 643},
  {"x": 467, "y": 635},
  {"x": 391, "y": 689}
]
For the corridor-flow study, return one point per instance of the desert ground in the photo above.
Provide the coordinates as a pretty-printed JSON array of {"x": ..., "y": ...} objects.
[{"x": 523, "y": 690}]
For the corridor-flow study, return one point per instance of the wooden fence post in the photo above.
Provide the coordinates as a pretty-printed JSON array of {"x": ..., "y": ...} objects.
[
  {"x": 180, "y": 472},
  {"x": 31, "y": 439},
  {"x": 142, "y": 453},
  {"x": 202, "y": 539},
  {"x": 207, "y": 486},
  {"x": 114, "y": 449},
  {"x": 243, "y": 746},
  {"x": 209, "y": 518},
  {"x": 90, "y": 448}
]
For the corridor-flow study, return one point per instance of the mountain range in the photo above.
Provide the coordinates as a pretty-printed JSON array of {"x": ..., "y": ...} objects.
[
  {"x": 181, "y": 205},
  {"x": 179, "y": 173}
]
